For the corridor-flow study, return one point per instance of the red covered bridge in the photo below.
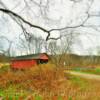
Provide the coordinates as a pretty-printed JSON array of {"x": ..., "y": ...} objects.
[{"x": 27, "y": 61}]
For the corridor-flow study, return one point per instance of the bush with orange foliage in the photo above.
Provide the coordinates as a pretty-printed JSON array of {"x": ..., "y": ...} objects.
[{"x": 43, "y": 79}]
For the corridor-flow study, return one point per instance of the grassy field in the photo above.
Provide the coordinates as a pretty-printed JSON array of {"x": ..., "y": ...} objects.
[
  {"x": 45, "y": 83},
  {"x": 89, "y": 71}
]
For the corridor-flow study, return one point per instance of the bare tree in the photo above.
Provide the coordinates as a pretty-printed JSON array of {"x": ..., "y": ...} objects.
[
  {"x": 25, "y": 18},
  {"x": 59, "y": 52},
  {"x": 44, "y": 6},
  {"x": 34, "y": 45}
]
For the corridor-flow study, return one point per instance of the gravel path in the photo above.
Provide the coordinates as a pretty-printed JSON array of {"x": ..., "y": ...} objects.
[{"x": 84, "y": 75}]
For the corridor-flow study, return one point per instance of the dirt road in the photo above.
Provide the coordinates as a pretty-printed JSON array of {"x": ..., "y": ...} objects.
[{"x": 84, "y": 75}]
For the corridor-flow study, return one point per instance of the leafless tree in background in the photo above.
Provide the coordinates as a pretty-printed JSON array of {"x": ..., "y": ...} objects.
[
  {"x": 60, "y": 52},
  {"x": 32, "y": 46},
  {"x": 40, "y": 9}
]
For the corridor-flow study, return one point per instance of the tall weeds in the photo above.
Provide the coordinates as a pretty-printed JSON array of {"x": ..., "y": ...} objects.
[{"x": 45, "y": 82}]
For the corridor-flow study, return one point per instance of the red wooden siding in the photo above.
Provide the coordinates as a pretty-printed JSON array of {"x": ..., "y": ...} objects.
[
  {"x": 28, "y": 61},
  {"x": 20, "y": 64}
]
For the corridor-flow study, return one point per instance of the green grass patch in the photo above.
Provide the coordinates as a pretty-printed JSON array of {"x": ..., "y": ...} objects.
[
  {"x": 79, "y": 82},
  {"x": 4, "y": 68},
  {"x": 89, "y": 71},
  {"x": 12, "y": 93}
]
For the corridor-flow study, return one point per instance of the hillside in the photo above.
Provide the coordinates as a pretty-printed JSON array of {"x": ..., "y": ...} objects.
[
  {"x": 78, "y": 60},
  {"x": 4, "y": 58}
]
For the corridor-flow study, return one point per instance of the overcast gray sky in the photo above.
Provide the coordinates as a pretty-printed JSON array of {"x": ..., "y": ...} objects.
[{"x": 61, "y": 13}]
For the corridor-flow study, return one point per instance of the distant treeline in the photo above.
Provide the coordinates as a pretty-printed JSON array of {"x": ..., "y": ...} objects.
[
  {"x": 81, "y": 61},
  {"x": 4, "y": 58},
  {"x": 77, "y": 60},
  {"x": 68, "y": 59}
]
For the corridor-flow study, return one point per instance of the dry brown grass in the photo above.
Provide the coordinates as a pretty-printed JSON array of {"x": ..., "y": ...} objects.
[{"x": 50, "y": 83}]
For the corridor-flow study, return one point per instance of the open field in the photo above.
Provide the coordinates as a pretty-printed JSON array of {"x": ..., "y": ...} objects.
[{"x": 46, "y": 83}]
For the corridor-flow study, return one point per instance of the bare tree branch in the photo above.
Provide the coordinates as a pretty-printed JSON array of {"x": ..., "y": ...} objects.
[{"x": 21, "y": 19}]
